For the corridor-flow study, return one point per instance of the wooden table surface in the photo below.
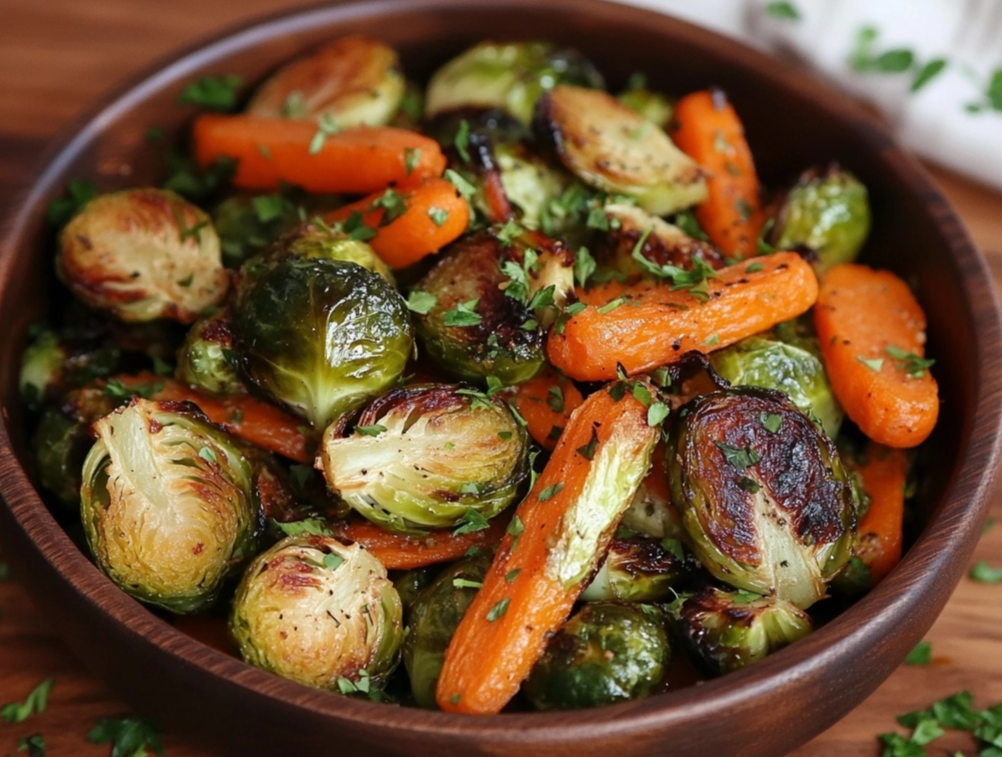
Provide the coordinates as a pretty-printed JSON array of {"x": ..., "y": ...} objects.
[{"x": 58, "y": 55}]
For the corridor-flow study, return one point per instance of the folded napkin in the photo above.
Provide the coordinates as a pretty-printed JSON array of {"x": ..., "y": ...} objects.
[{"x": 932, "y": 67}]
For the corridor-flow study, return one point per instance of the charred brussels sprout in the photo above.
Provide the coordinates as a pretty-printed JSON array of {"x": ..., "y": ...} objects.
[
  {"x": 727, "y": 630},
  {"x": 320, "y": 336},
  {"x": 508, "y": 76},
  {"x": 638, "y": 570},
  {"x": 827, "y": 212},
  {"x": 206, "y": 359},
  {"x": 425, "y": 456},
  {"x": 796, "y": 372},
  {"x": 248, "y": 225},
  {"x": 319, "y": 612},
  {"x": 606, "y": 653},
  {"x": 167, "y": 504},
  {"x": 765, "y": 501},
  {"x": 530, "y": 183},
  {"x": 612, "y": 148},
  {"x": 315, "y": 243},
  {"x": 356, "y": 81},
  {"x": 52, "y": 365},
  {"x": 476, "y": 328},
  {"x": 434, "y": 619},
  {"x": 143, "y": 254}
]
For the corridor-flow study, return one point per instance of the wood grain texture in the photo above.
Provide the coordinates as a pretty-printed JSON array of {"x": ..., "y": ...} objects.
[{"x": 57, "y": 56}]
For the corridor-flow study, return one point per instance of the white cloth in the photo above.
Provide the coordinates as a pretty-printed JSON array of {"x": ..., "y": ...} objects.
[{"x": 939, "y": 120}]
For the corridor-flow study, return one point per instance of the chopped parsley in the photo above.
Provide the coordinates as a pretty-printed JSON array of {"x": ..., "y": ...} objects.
[
  {"x": 438, "y": 216},
  {"x": 421, "y": 302},
  {"x": 695, "y": 281},
  {"x": 984, "y": 573},
  {"x": 874, "y": 365},
  {"x": 310, "y": 526},
  {"x": 34, "y": 745},
  {"x": 550, "y": 492},
  {"x": 217, "y": 93},
  {"x": 498, "y": 610},
  {"x": 673, "y": 547},
  {"x": 374, "y": 430},
  {"x": 295, "y": 105},
  {"x": 597, "y": 219},
  {"x": 208, "y": 454},
  {"x": 642, "y": 394},
  {"x": 35, "y": 703},
  {"x": 62, "y": 209},
  {"x": 921, "y": 655},
  {"x": 462, "y": 140},
  {"x": 584, "y": 266},
  {"x": 471, "y": 522},
  {"x": 325, "y": 128},
  {"x": 909, "y": 362},
  {"x": 588, "y": 450},
  {"x": 744, "y": 597},
  {"x": 465, "y": 583},
  {"x": 749, "y": 485},
  {"x": 464, "y": 187},
  {"x": 464, "y": 314},
  {"x": 569, "y": 312},
  {"x": 393, "y": 205},
  {"x": 610, "y": 306},
  {"x": 955, "y": 712},
  {"x": 269, "y": 207},
  {"x": 555, "y": 399},
  {"x": 333, "y": 561},
  {"x": 740, "y": 458},
  {"x": 354, "y": 226},
  {"x": 511, "y": 575},
  {"x": 412, "y": 156},
  {"x": 927, "y": 73},
  {"x": 771, "y": 421}
]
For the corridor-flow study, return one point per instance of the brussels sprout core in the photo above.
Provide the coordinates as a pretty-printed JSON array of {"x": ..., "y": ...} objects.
[
  {"x": 765, "y": 501},
  {"x": 167, "y": 504},
  {"x": 425, "y": 456},
  {"x": 316, "y": 611}
]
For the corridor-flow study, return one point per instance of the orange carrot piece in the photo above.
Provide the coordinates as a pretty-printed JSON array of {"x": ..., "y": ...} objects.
[
  {"x": 404, "y": 551},
  {"x": 646, "y": 325},
  {"x": 864, "y": 318},
  {"x": 241, "y": 415},
  {"x": 880, "y": 529},
  {"x": 533, "y": 582},
  {"x": 546, "y": 401},
  {"x": 436, "y": 214},
  {"x": 710, "y": 132},
  {"x": 359, "y": 160}
]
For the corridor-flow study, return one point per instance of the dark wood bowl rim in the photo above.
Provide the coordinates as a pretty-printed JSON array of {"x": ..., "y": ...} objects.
[{"x": 832, "y": 645}]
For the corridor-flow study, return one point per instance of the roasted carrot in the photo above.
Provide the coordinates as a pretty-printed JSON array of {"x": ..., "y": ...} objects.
[
  {"x": 646, "y": 325},
  {"x": 546, "y": 401},
  {"x": 241, "y": 415},
  {"x": 871, "y": 331},
  {"x": 403, "y": 551},
  {"x": 710, "y": 132},
  {"x": 271, "y": 151},
  {"x": 555, "y": 540},
  {"x": 879, "y": 539},
  {"x": 431, "y": 215}
]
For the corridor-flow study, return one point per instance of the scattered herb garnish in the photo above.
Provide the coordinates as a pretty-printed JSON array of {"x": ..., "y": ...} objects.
[
  {"x": 921, "y": 655},
  {"x": 325, "y": 128},
  {"x": 909, "y": 362},
  {"x": 550, "y": 492},
  {"x": 62, "y": 209},
  {"x": 438, "y": 216},
  {"x": 471, "y": 522},
  {"x": 511, "y": 575},
  {"x": 874, "y": 365},
  {"x": 34, "y": 745},
  {"x": 610, "y": 306},
  {"x": 588, "y": 450},
  {"x": 584, "y": 266},
  {"x": 462, "y": 140},
  {"x": 421, "y": 302},
  {"x": 464, "y": 314},
  {"x": 674, "y": 547},
  {"x": 392, "y": 203},
  {"x": 374, "y": 430},
  {"x": 35, "y": 703},
  {"x": 656, "y": 413},
  {"x": 333, "y": 561},
  {"x": 771, "y": 421},
  {"x": 464, "y": 187},
  {"x": 129, "y": 737},
  {"x": 738, "y": 457},
  {"x": 555, "y": 399},
  {"x": 498, "y": 610},
  {"x": 217, "y": 93},
  {"x": 984, "y": 573},
  {"x": 412, "y": 156},
  {"x": 310, "y": 526},
  {"x": 465, "y": 583}
]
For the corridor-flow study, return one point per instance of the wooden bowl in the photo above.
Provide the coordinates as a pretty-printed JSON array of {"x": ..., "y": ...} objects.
[{"x": 792, "y": 122}]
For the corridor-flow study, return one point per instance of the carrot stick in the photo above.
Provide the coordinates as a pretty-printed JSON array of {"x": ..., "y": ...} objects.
[
  {"x": 546, "y": 401},
  {"x": 710, "y": 132},
  {"x": 241, "y": 415},
  {"x": 866, "y": 321},
  {"x": 879, "y": 540},
  {"x": 403, "y": 552},
  {"x": 435, "y": 215},
  {"x": 646, "y": 325},
  {"x": 546, "y": 557},
  {"x": 271, "y": 151}
]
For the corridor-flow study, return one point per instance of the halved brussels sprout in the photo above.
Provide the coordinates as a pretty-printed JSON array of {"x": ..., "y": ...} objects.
[
  {"x": 638, "y": 570},
  {"x": 799, "y": 374},
  {"x": 476, "y": 328},
  {"x": 52, "y": 365},
  {"x": 320, "y": 336},
  {"x": 827, "y": 212},
  {"x": 167, "y": 504},
  {"x": 206, "y": 360},
  {"x": 608, "y": 652},
  {"x": 411, "y": 583},
  {"x": 354, "y": 80},
  {"x": 248, "y": 225},
  {"x": 664, "y": 243},
  {"x": 609, "y": 146},
  {"x": 508, "y": 76},
  {"x": 319, "y": 612},
  {"x": 312, "y": 242},
  {"x": 424, "y": 456},
  {"x": 727, "y": 630},
  {"x": 143, "y": 254},
  {"x": 529, "y": 182},
  {"x": 433, "y": 621},
  {"x": 765, "y": 501}
]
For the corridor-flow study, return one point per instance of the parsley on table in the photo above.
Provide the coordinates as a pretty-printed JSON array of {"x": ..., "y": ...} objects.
[
  {"x": 129, "y": 737},
  {"x": 984, "y": 573},
  {"x": 866, "y": 59},
  {"x": 217, "y": 93},
  {"x": 35, "y": 703},
  {"x": 34, "y": 745},
  {"x": 954, "y": 712}
]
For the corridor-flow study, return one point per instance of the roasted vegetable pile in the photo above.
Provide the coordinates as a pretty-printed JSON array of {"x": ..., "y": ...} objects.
[{"x": 518, "y": 378}]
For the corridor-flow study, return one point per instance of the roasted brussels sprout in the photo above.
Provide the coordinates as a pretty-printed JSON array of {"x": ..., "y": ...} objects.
[
  {"x": 319, "y": 612},
  {"x": 664, "y": 244},
  {"x": 425, "y": 456},
  {"x": 827, "y": 212},
  {"x": 433, "y": 620},
  {"x": 610, "y": 147},
  {"x": 508, "y": 76},
  {"x": 477, "y": 327},
  {"x": 167, "y": 504},
  {"x": 207, "y": 360},
  {"x": 653, "y": 106},
  {"x": 638, "y": 570},
  {"x": 765, "y": 501},
  {"x": 354, "y": 80},
  {"x": 248, "y": 225},
  {"x": 606, "y": 653},
  {"x": 411, "y": 583},
  {"x": 726, "y": 630},
  {"x": 143, "y": 254},
  {"x": 652, "y": 513},
  {"x": 51, "y": 366},
  {"x": 319, "y": 336},
  {"x": 313, "y": 242},
  {"x": 796, "y": 372},
  {"x": 530, "y": 183}
]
